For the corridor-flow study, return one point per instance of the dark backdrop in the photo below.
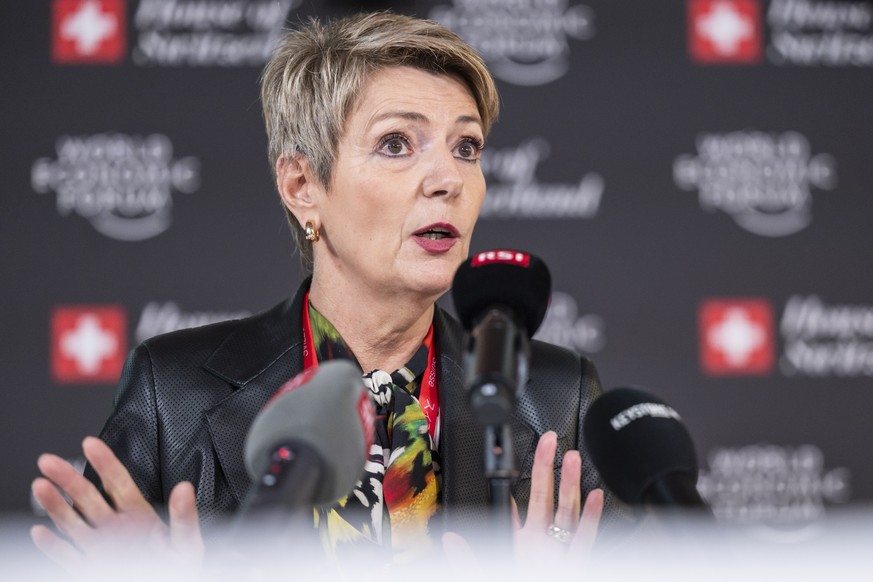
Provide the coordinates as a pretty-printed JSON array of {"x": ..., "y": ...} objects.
[{"x": 694, "y": 173}]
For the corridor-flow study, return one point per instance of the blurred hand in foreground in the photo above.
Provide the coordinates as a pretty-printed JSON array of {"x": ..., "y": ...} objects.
[
  {"x": 129, "y": 539},
  {"x": 549, "y": 540}
]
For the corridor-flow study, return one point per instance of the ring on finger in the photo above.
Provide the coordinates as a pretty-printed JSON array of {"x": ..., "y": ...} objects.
[{"x": 559, "y": 533}]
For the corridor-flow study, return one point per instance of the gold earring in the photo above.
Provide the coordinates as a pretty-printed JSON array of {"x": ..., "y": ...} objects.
[{"x": 312, "y": 233}]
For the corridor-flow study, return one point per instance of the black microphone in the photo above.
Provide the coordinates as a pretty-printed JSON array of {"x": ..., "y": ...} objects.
[
  {"x": 501, "y": 297},
  {"x": 642, "y": 450},
  {"x": 309, "y": 444}
]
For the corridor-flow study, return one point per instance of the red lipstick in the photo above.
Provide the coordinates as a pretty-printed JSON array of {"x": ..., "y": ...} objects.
[{"x": 436, "y": 238}]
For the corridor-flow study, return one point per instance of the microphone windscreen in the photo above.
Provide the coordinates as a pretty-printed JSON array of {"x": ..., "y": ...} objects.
[
  {"x": 327, "y": 409},
  {"x": 515, "y": 279},
  {"x": 634, "y": 439}
]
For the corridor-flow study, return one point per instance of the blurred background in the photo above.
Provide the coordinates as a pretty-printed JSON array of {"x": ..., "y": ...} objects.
[{"x": 693, "y": 172}]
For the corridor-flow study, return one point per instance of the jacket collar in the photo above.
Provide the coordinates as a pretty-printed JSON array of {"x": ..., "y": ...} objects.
[
  {"x": 257, "y": 357},
  {"x": 259, "y": 342}
]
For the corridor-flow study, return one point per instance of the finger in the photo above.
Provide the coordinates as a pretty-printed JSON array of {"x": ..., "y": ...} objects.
[
  {"x": 61, "y": 513},
  {"x": 184, "y": 522},
  {"x": 115, "y": 478},
  {"x": 82, "y": 492},
  {"x": 586, "y": 533},
  {"x": 569, "y": 493},
  {"x": 540, "y": 510},
  {"x": 57, "y": 550}
]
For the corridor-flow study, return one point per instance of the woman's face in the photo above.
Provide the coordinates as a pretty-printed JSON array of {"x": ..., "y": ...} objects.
[{"x": 406, "y": 187}]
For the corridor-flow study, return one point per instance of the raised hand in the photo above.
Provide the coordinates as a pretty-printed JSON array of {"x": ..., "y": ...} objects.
[
  {"x": 100, "y": 539},
  {"x": 563, "y": 536},
  {"x": 550, "y": 541}
]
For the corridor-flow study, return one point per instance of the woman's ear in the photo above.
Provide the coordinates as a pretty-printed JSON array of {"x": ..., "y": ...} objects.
[{"x": 297, "y": 187}]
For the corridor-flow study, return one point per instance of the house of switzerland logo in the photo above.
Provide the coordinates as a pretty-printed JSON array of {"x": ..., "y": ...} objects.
[
  {"x": 802, "y": 33},
  {"x": 826, "y": 340},
  {"x": 830, "y": 34},
  {"x": 158, "y": 318},
  {"x": 208, "y": 33},
  {"x": 169, "y": 33},
  {"x": 515, "y": 192},
  {"x": 819, "y": 339}
]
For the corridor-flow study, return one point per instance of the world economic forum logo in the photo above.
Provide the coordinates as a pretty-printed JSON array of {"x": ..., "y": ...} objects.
[
  {"x": 565, "y": 326},
  {"x": 763, "y": 180},
  {"x": 526, "y": 42},
  {"x": 122, "y": 184},
  {"x": 780, "y": 492}
]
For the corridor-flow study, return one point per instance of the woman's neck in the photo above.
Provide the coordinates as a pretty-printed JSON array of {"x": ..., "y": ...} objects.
[{"x": 382, "y": 331}]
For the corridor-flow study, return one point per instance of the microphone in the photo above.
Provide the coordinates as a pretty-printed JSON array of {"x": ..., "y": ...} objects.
[
  {"x": 501, "y": 297},
  {"x": 309, "y": 444},
  {"x": 642, "y": 450}
]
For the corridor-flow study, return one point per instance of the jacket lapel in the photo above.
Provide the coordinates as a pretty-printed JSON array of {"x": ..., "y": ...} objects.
[
  {"x": 464, "y": 486},
  {"x": 256, "y": 359}
]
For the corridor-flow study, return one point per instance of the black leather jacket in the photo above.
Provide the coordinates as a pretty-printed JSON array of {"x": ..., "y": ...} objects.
[{"x": 186, "y": 400}]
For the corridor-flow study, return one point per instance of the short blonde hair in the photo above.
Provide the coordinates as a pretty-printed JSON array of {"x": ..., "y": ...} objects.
[{"x": 311, "y": 83}]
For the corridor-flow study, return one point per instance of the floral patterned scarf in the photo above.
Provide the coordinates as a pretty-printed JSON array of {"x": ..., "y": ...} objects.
[{"x": 398, "y": 493}]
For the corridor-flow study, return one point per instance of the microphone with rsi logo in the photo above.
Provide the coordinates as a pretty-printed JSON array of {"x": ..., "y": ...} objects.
[
  {"x": 642, "y": 450},
  {"x": 309, "y": 444},
  {"x": 501, "y": 298}
]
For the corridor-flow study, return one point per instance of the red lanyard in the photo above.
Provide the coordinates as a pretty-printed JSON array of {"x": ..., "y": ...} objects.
[
  {"x": 310, "y": 360},
  {"x": 428, "y": 396}
]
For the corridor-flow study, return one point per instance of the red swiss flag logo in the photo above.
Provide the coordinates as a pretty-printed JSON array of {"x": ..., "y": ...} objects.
[
  {"x": 736, "y": 337},
  {"x": 88, "y": 32},
  {"x": 88, "y": 344},
  {"x": 725, "y": 31}
]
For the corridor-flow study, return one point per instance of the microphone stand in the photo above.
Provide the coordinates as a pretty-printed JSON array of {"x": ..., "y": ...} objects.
[
  {"x": 275, "y": 523},
  {"x": 500, "y": 473},
  {"x": 497, "y": 369}
]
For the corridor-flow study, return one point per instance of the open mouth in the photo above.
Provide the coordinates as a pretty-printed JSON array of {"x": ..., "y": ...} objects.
[
  {"x": 434, "y": 234},
  {"x": 437, "y": 232}
]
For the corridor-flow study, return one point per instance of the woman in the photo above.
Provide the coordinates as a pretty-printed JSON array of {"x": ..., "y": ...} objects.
[{"x": 376, "y": 124}]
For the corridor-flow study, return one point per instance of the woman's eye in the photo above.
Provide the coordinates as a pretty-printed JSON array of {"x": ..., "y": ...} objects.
[
  {"x": 468, "y": 150},
  {"x": 394, "y": 146}
]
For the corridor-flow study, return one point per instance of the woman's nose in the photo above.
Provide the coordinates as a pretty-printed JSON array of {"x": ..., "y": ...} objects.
[{"x": 444, "y": 176}]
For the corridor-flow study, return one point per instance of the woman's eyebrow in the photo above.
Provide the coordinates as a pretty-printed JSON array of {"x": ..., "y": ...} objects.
[
  {"x": 420, "y": 117},
  {"x": 408, "y": 115},
  {"x": 468, "y": 119}
]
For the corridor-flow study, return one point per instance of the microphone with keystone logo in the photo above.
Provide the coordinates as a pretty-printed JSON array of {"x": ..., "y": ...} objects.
[{"x": 643, "y": 451}]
